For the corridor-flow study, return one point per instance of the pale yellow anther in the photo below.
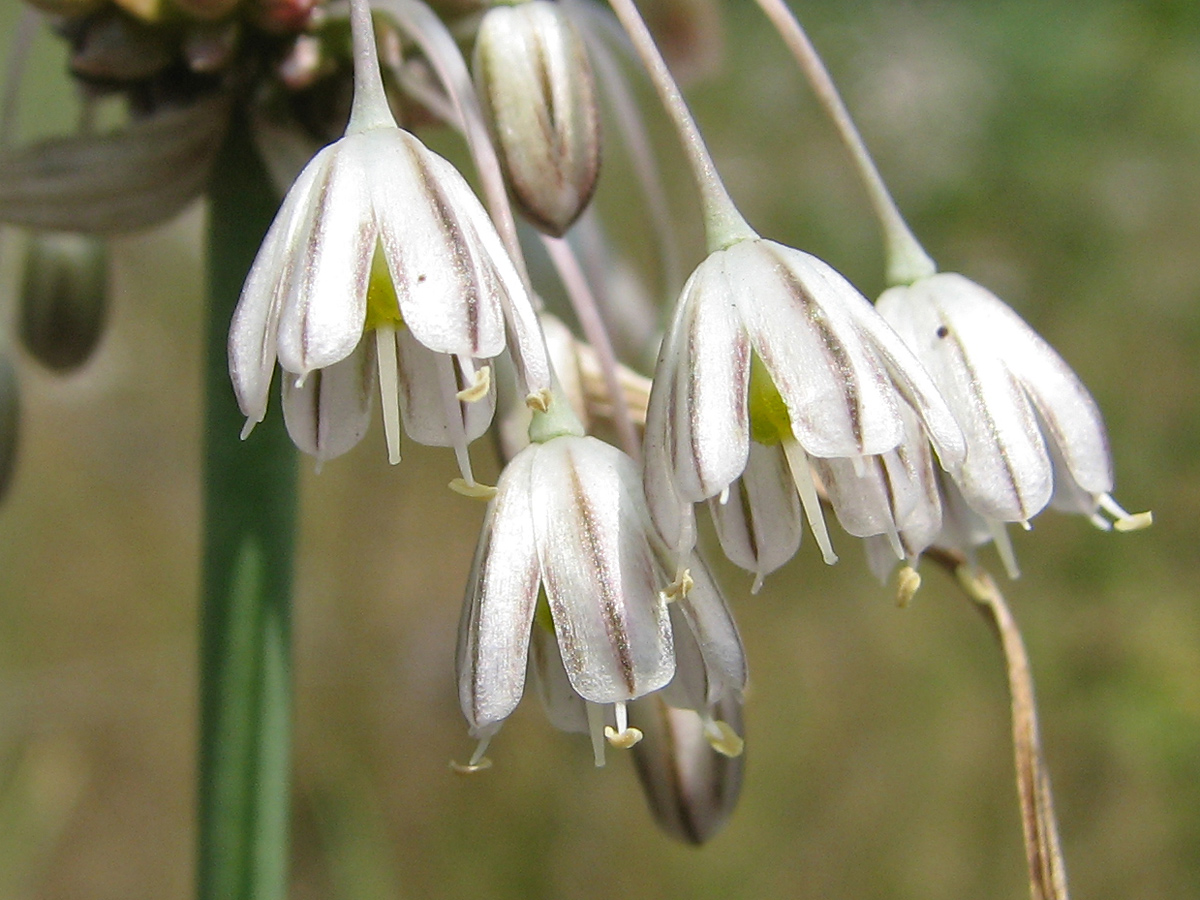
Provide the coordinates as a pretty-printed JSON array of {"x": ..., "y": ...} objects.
[
  {"x": 471, "y": 768},
  {"x": 1134, "y": 521},
  {"x": 481, "y": 384},
  {"x": 539, "y": 401},
  {"x": 908, "y": 580},
  {"x": 722, "y": 738},
  {"x": 680, "y": 587},
  {"x": 475, "y": 491},
  {"x": 623, "y": 739}
]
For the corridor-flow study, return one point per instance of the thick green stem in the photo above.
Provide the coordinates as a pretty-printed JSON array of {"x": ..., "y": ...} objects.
[{"x": 249, "y": 499}]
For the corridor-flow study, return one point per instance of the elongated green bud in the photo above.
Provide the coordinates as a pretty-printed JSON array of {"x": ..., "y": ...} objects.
[
  {"x": 539, "y": 97},
  {"x": 64, "y": 298}
]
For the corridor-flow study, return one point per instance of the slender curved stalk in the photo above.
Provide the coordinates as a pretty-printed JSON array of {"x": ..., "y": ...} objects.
[
  {"x": 1043, "y": 850},
  {"x": 431, "y": 35},
  {"x": 583, "y": 301},
  {"x": 723, "y": 224},
  {"x": 907, "y": 260},
  {"x": 249, "y": 509}
]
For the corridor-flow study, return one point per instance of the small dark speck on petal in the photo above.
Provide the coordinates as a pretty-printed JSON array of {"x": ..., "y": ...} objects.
[
  {"x": 942, "y": 331},
  {"x": 421, "y": 278}
]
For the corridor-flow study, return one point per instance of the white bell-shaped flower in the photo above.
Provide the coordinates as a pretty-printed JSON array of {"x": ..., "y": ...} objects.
[
  {"x": 569, "y": 525},
  {"x": 1034, "y": 434},
  {"x": 380, "y": 260},
  {"x": 770, "y": 344}
]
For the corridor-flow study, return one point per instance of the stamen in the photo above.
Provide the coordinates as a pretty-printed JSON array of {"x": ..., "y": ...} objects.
[
  {"x": 539, "y": 401},
  {"x": 622, "y": 737},
  {"x": 477, "y": 763},
  {"x": 758, "y": 583},
  {"x": 893, "y": 537},
  {"x": 722, "y": 738},
  {"x": 724, "y": 496},
  {"x": 249, "y": 426},
  {"x": 474, "y": 490},
  {"x": 1124, "y": 521},
  {"x": 448, "y": 381},
  {"x": 389, "y": 388},
  {"x": 1004, "y": 547},
  {"x": 859, "y": 465},
  {"x": 680, "y": 586},
  {"x": 802, "y": 477},
  {"x": 481, "y": 384},
  {"x": 596, "y": 728},
  {"x": 908, "y": 580}
]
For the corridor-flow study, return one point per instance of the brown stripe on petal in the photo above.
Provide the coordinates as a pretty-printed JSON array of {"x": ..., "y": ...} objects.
[
  {"x": 317, "y": 377},
  {"x": 834, "y": 347},
  {"x": 547, "y": 118},
  {"x": 748, "y": 515},
  {"x": 463, "y": 263},
  {"x": 317, "y": 233},
  {"x": 611, "y": 607},
  {"x": 951, "y": 339}
]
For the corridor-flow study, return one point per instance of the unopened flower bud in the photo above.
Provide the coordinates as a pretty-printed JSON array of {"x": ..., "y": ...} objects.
[
  {"x": 111, "y": 46},
  {"x": 205, "y": 10},
  {"x": 210, "y": 47},
  {"x": 539, "y": 96},
  {"x": 690, "y": 785},
  {"x": 63, "y": 298},
  {"x": 146, "y": 10},
  {"x": 9, "y": 415},
  {"x": 282, "y": 16}
]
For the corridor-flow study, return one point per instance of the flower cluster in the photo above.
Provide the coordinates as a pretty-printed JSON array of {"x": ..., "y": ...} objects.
[{"x": 931, "y": 418}]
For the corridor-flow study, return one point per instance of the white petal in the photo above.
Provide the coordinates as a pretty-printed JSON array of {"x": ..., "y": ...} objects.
[
  {"x": 710, "y": 624},
  {"x": 710, "y": 354},
  {"x": 958, "y": 330},
  {"x": 804, "y": 321},
  {"x": 963, "y": 529},
  {"x": 254, "y": 329},
  {"x": 759, "y": 524},
  {"x": 448, "y": 290},
  {"x": 565, "y": 709},
  {"x": 325, "y": 307},
  {"x": 1067, "y": 415},
  {"x": 330, "y": 412},
  {"x": 671, "y": 516},
  {"x": 598, "y": 571},
  {"x": 422, "y": 397},
  {"x": 494, "y": 631},
  {"x": 873, "y": 502}
]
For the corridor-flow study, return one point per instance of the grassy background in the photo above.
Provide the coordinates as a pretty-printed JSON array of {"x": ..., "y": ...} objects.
[{"x": 1048, "y": 149}]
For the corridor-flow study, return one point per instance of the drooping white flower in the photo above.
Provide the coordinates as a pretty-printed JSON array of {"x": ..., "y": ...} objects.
[
  {"x": 772, "y": 345},
  {"x": 568, "y": 523},
  {"x": 380, "y": 260},
  {"x": 1034, "y": 434}
]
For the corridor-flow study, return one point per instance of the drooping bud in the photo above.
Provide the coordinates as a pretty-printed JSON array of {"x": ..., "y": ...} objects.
[
  {"x": 210, "y": 47},
  {"x": 64, "y": 295},
  {"x": 690, "y": 787},
  {"x": 282, "y": 16},
  {"x": 9, "y": 415},
  {"x": 111, "y": 46},
  {"x": 539, "y": 97},
  {"x": 205, "y": 10}
]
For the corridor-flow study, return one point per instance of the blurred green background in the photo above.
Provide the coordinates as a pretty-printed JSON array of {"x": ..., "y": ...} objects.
[{"x": 1050, "y": 150}]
